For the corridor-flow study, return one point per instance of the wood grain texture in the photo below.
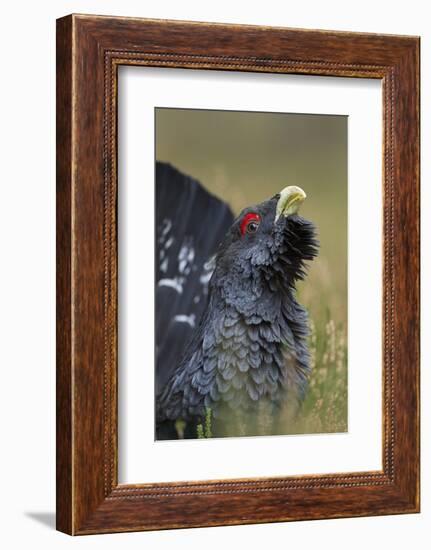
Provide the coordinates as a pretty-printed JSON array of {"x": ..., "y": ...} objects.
[
  {"x": 64, "y": 496},
  {"x": 90, "y": 49}
]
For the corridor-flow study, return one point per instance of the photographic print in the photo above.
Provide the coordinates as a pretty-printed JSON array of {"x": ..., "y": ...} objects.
[
  {"x": 251, "y": 273},
  {"x": 222, "y": 308}
]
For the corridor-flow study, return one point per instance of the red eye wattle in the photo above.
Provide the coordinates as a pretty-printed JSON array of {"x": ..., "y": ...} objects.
[{"x": 250, "y": 223}]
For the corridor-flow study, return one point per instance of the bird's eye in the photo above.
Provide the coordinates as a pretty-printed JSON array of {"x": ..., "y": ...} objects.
[{"x": 250, "y": 223}]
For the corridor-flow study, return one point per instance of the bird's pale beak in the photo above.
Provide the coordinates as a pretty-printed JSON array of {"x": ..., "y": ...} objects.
[{"x": 289, "y": 202}]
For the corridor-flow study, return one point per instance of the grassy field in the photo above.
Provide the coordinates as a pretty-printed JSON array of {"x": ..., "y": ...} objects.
[{"x": 247, "y": 157}]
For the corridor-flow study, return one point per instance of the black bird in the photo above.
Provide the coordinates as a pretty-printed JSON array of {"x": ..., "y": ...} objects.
[{"x": 247, "y": 360}]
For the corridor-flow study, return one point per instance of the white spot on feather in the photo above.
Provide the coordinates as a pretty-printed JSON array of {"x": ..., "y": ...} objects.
[
  {"x": 186, "y": 256},
  {"x": 189, "y": 319},
  {"x": 167, "y": 225},
  {"x": 164, "y": 265},
  {"x": 208, "y": 270},
  {"x": 176, "y": 284}
]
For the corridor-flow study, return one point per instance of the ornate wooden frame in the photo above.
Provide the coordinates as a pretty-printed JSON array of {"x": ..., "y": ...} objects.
[{"x": 89, "y": 51}]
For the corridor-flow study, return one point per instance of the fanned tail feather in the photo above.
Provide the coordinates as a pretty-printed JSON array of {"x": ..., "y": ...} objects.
[{"x": 190, "y": 223}]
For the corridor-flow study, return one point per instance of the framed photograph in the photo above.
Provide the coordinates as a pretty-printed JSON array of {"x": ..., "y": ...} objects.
[{"x": 237, "y": 274}]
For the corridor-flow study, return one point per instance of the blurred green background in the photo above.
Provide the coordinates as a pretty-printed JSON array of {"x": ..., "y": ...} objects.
[{"x": 246, "y": 157}]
